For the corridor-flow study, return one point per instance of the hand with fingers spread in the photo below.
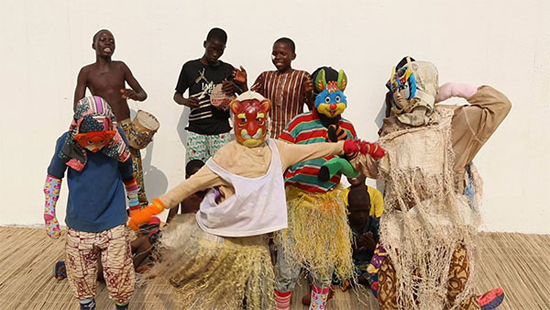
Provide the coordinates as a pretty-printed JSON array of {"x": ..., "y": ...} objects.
[{"x": 239, "y": 75}]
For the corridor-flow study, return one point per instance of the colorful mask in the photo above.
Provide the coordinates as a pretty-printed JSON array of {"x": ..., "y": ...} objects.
[
  {"x": 94, "y": 129},
  {"x": 250, "y": 110},
  {"x": 331, "y": 101},
  {"x": 414, "y": 87},
  {"x": 94, "y": 141}
]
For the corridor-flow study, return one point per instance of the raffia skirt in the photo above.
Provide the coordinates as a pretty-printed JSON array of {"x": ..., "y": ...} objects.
[
  {"x": 212, "y": 272},
  {"x": 318, "y": 236}
]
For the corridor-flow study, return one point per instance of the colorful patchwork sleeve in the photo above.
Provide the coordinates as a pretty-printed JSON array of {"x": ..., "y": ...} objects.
[{"x": 52, "y": 187}]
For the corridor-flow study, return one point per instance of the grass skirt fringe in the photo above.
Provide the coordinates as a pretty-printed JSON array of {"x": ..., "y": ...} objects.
[
  {"x": 318, "y": 235},
  {"x": 211, "y": 272}
]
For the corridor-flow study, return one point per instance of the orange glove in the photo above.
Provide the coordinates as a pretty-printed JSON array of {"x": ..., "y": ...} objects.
[{"x": 138, "y": 217}]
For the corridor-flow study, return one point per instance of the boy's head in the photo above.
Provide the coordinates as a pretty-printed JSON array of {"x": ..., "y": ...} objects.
[
  {"x": 103, "y": 43},
  {"x": 284, "y": 52},
  {"x": 214, "y": 45},
  {"x": 359, "y": 207},
  {"x": 359, "y": 181},
  {"x": 192, "y": 167}
]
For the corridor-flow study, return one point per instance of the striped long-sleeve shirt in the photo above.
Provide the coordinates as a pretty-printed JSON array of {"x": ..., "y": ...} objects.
[
  {"x": 307, "y": 128},
  {"x": 287, "y": 94}
]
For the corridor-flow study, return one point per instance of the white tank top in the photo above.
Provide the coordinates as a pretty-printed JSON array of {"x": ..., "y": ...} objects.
[{"x": 257, "y": 207}]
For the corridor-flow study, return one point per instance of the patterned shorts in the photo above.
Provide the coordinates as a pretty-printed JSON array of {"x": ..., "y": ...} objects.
[
  {"x": 203, "y": 147},
  {"x": 83, "y": 249}
]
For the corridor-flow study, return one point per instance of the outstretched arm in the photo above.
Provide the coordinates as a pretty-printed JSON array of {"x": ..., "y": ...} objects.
[
  {"x": 203, "y": 179},
  {"x": 136, "y": 92},
  {"x": 295, "y": 153}
]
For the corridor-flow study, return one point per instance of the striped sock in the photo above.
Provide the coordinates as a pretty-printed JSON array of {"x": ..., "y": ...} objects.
[{"x": 282, "y": 300}]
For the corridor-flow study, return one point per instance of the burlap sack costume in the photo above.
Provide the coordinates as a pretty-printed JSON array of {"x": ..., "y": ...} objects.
[{"x": 428, "y": 227}]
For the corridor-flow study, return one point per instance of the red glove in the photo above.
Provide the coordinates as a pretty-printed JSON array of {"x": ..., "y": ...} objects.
[
  {"x": 138, "y": 217},
  {"x": 352, "y": 147},
  {"x": 374, "y": 150}
]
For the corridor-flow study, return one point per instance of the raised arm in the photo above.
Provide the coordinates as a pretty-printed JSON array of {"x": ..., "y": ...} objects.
[
  {"x": 136, "y": 92},
  {"x": 80, "y": 90},
  {"x": 474, "y": 124},
  {"x": 308, "y": 92}
]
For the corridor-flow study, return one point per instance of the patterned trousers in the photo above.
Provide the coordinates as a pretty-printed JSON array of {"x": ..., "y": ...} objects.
[
  {"x": 459, "y": 272},
  {"x": 82, "y": 251}
]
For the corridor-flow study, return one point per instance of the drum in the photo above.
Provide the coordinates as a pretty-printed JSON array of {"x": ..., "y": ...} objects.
[
  {"x": 144, "y": 126},
  {"x": 219, "y": 99}
]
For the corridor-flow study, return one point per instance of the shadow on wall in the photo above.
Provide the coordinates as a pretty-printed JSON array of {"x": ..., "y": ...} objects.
[
  {"x": 156, "y": 182},
  {"x": 182, "y": 123}
]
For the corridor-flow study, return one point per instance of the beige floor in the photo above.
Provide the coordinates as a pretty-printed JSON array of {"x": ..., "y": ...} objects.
[{"x": 516, "y": 262}]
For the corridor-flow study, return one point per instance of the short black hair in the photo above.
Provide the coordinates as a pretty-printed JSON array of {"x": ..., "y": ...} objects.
[
  {"x": 358, "y": 196},
  {"x": 217, "y": 34},
  {"x": 97, "y": 33},
  {"x": 288, "y": 41},
  {"x": 194, "y": 164}
]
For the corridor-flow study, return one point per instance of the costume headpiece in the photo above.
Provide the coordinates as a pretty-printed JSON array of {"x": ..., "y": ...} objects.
[
  {"x": 330, "y": 100},
  {"x": 250, "y": 110},
  {"x": 414, "y": 87},
  {"x": 93, "y": 124}
]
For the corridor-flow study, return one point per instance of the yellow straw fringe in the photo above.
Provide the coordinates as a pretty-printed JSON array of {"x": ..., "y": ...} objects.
[
  {"x": 318, "y": 235},
  {"x": 211, "y": 272}
]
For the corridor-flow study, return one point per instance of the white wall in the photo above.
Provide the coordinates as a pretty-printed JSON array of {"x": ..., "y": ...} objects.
[{"x": 45, "y": 43}]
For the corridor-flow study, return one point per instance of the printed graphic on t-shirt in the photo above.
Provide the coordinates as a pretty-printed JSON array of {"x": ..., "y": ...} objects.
[{"x": 204, "y": 96}]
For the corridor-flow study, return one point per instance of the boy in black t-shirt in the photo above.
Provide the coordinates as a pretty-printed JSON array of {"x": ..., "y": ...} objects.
[{"x": 208, "y": 126}]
